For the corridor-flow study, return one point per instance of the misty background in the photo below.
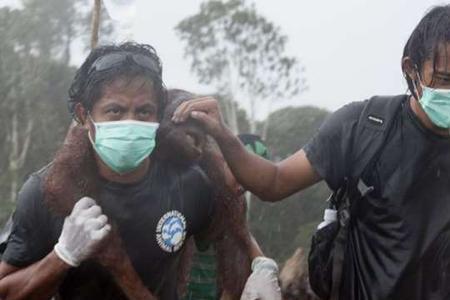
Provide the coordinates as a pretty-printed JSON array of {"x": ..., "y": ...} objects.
[
  {"x": 327, "y": 53},
  {"x": 351, "y": 49}
]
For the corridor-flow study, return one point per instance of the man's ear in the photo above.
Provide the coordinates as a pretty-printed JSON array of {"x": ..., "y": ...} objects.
[
  {"x": 411, "y": 72},
  {"x": 409, "y": 69},
  {"x": 81, "y": 114}
]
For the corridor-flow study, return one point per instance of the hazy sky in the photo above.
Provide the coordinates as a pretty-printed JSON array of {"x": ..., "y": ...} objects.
[{"x": 351, "y": 48}]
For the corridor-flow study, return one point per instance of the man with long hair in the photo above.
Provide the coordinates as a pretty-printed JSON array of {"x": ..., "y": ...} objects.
[{"x": 398, "y": 241}]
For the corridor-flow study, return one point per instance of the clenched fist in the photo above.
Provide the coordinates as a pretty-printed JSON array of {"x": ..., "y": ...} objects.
[{"x": 82, "y": 232}]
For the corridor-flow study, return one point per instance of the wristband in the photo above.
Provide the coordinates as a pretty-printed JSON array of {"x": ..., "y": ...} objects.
[
  {"x": 261, "y": 262},
  {"x": 65, "y": 256}
]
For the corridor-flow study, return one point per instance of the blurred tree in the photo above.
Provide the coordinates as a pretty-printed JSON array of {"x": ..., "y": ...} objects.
[
  {"x": 26, "y": 66},
  {"x": 242, "y": 54},
  {"x": 36, "y": 42},
  {"x": 282, "y": 227}
]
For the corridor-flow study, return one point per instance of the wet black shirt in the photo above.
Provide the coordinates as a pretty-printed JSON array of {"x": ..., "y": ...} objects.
[
  {"x": 399, "y": 243},
  {"x": 154, "y": 216}
]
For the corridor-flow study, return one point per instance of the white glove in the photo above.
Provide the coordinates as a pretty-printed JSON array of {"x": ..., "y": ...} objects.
[
  {"x": 82, "y": 231},
  {"x": 262, "y": 284}
]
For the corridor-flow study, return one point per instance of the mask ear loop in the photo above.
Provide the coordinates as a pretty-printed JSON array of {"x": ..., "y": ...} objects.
[
  {"x": 415, "y": 83},
  {"x": 95, "y": 127}
]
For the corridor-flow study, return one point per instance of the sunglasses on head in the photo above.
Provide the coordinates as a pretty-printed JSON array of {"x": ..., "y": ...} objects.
[{"x": 117, "y": 58}]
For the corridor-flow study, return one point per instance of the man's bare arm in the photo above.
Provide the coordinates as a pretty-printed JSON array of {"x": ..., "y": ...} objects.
[
  {"x": 6, "y": 269},
  {"x": 267, "y": 180},
  {"x": 37, "y": 281}
]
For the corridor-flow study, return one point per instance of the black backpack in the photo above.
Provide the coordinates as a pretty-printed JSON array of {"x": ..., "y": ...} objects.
[{"x": 327, "y": 252}]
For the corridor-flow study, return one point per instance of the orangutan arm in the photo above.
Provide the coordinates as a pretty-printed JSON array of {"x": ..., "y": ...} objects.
[
  {"x": 6, "y": 269},
  {"x": 254, "y": 249},
  {"x": 129, "y": 281},
  {"x": 37, "y": 281},
  {"x": 114, "y": 258}
]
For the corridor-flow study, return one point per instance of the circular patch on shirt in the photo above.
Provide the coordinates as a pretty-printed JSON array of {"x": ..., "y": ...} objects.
[{"x": 171, "y": 231}]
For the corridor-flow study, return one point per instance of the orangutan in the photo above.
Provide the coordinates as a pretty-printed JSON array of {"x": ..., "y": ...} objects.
[
  {"x": 229, "y": 230},
  {"x": 294, "y": 278}
]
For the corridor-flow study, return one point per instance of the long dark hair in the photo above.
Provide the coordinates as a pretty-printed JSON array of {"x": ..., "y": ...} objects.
[{"x": 428, "y": 38}]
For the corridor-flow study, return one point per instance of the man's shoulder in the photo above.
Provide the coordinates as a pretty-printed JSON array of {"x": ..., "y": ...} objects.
[
  {"x": 37, "y": 177},
  {"x": 31, "y": 195},
  {"x": 34, "y": 182},
  {"x": 26, "y": 244},
  {"x": 352, "y": 109},
  {"x": 350, "y": 113},
  {"x": 331, "y": 150}
]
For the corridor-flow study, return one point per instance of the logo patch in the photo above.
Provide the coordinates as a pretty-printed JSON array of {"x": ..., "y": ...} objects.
[
  {"x": 171, "y": 231},
  {"x": 376, "y": 120}
]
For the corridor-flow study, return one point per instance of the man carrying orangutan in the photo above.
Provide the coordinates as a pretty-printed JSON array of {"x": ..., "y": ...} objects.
[{"x": 105, "y": 220}]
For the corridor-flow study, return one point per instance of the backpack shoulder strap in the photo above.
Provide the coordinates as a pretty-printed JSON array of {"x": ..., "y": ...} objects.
[{"x": 373, "y": 130}]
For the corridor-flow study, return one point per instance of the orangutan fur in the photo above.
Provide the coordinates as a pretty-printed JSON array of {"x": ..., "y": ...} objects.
[
  {"x": 73, "y": 175},
  {"x": 75, "y": 163},
  {"x": 294, "y": 278},
  {"x": 229, "y": 228},
  {"x": 232, "y": 235}
]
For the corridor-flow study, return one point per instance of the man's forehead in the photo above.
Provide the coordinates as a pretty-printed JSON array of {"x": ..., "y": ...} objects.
[
  {"x": 438, "y": 67},
  {"x": 135, "y": 82},
  {"x": 445, "y": 73},
  {"x": 442, "y": 59},
  {"x": 439, "y": 71},
  {"x": 135, "y": 85}
]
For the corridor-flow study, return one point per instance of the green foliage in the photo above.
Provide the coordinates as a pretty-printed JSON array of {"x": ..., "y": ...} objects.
[
  {"x": 291, "y": 127},
  {"x": 35, "y": 47},
  {"x": 282, "y": 227}
]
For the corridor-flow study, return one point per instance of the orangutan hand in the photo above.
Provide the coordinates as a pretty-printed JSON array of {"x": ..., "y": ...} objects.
[
  {"x": 82, "y": 232},
  {"x": 205, "y": 110},
  {"x": 263, "y": 282}
]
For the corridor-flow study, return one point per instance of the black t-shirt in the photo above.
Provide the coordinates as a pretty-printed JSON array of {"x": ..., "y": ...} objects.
[
  {"x": 399, "y": 240},
  {"x": 154, "y": 216}
]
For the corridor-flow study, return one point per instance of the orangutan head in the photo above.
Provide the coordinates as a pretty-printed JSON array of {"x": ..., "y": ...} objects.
[{"x": 183, "y": 143}]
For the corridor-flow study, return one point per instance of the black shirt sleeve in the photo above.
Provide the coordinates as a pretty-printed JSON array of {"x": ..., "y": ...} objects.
[
  {"x": 31, "y": 238},
  {"x": 329, "y": 151}
]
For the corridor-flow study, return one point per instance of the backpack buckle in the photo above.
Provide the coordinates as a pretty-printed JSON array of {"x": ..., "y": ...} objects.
[{"x": 344, "y": 217}]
